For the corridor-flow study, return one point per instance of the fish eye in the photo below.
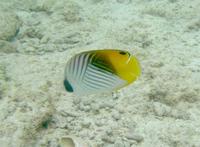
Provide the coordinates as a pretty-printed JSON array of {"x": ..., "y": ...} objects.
[{"x": 122, "y": 52}]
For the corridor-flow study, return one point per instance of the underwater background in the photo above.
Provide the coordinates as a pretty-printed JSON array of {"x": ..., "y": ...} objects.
[{"x": 160, "y": 109}]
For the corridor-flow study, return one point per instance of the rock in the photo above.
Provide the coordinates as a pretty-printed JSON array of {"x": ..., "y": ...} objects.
[
  {"x": 86, "y": 123},
  {"x": 108, "y": 105},
  {"x": 100, "y": 122},
  {"x": 69, "y": 114},
  {"x": 33, "y": 33},
  {"x": 133, "y": 136},
  {"x": 109, "y": 145},
  {"x": 3, "y": 73},
  {"x": 69, "y": 10},
  {"x": 109, "y": 132},
  {"x": 124, "y": 1},
  {"x": 76, "y": 100},
  {"x": 116, "y": 115},
  {"x": 3, "y": 80},
  {"x": 194, "y": 25},
  {"x": 86, "y": 102},
  {"x": 157, "y": 94},
  {"x": 189, "y": 95},
  {"x": 180, "y": 114},
  {"x": 121, "y": 110},
  {"x": 7, "y": 47},
  {"x": 95, "y": 108},
  {"x": 161, "y": 109},
  {"x": 120, "y": 143},
  {"x": 157, "y": 64},
  {"x": 108, "y": 139},
  {"x": 43, "y": 5},
  {"x": 86, "y": 108},
  {"x": 9, "y": 25},
  {"x": 72, "y": 141}
]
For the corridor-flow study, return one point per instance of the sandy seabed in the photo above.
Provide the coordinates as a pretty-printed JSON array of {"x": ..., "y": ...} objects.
[{"x": 161, "y": 109}]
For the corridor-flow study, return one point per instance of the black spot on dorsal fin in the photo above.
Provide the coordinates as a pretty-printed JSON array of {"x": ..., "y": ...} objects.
[{"x": 68, "y": 86}]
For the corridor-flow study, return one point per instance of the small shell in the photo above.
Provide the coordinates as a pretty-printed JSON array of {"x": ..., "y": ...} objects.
[{"x": 69, "y": 141}]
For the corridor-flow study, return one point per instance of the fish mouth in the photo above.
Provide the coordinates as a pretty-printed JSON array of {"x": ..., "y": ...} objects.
[{"x": 68, "y": 86}]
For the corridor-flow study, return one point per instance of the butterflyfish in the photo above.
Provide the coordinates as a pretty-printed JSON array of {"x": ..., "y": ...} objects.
[{"x": 100, "y": 71}]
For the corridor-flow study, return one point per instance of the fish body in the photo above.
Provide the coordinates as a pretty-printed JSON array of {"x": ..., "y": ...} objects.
[{"x": 100, "y": 71}]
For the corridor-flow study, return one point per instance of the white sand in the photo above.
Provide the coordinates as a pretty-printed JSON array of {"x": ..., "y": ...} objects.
[{"x": 161, "y": 109}]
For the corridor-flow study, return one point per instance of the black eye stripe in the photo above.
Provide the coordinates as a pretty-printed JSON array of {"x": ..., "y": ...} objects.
[{"x": 122, "y": 53}]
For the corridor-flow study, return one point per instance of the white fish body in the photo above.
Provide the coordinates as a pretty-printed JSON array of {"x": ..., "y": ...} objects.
[{"x": 82, "y": 77}]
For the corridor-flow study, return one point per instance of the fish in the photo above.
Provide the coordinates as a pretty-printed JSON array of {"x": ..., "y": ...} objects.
[{"x": 100, "y": 71}]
